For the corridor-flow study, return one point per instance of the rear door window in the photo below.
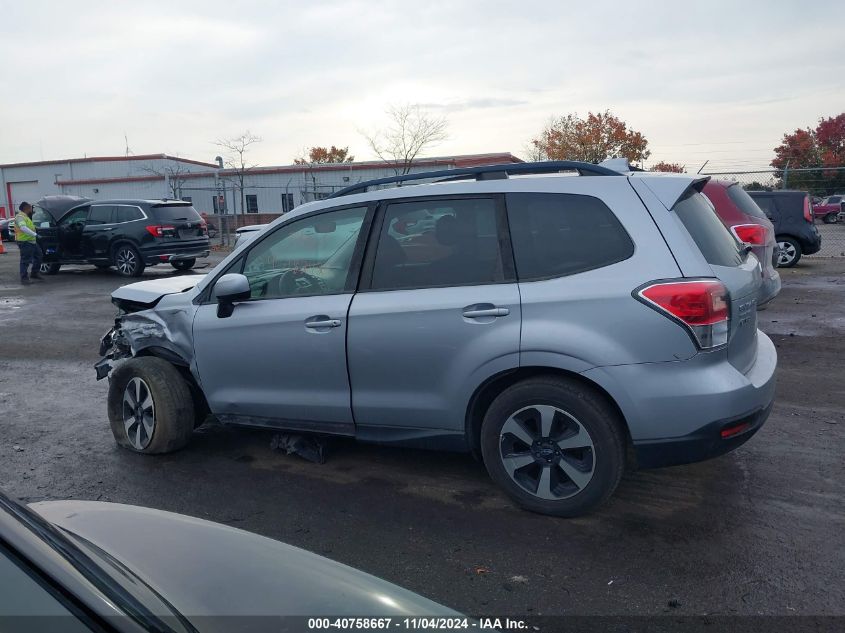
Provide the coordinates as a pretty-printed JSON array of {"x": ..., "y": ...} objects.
[
  {"x": 101, "y": 214},
  {"x": 706, "y": 229},
  {"x": 744, "y": 202},
  {"x": 439, "y": 243},
  {"x": 562, "y": 234}
]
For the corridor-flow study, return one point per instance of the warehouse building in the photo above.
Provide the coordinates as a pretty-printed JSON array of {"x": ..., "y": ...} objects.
[{"x": 211, "y": 188}]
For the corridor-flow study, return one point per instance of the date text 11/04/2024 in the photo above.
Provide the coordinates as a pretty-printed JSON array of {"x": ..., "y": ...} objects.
[{"x": 418, "y": 623}]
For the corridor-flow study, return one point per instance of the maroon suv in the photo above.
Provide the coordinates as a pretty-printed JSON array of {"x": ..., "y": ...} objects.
[
  {"x": 750, "y": 225},
  {"x": 830, "y": 208}
]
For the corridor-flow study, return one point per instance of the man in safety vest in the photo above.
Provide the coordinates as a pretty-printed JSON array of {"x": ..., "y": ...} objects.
[{"x": 25, "y": 237}]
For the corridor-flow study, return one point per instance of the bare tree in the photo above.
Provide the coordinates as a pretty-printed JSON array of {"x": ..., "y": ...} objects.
[
  {"x": 174, "y": 174},
  {"x": 235, "y": 152},
  {"x": 410, "y": 131}
]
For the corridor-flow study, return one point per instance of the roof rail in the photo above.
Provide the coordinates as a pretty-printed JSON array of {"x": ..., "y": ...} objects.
[{"x": 486, "y": 172}]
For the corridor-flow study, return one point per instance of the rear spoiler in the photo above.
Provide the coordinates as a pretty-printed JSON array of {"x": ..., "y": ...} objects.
[
  {"x": 669, "y": 189},
  {"x": 172, "y": 203}
]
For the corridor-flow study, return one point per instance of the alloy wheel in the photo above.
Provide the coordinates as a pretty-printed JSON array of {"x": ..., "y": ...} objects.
[
  {"x": 138, "y": 413},
  {"x": 547, "y": 452},
  {"x": 126, "y": 261},
  {"x": 44, "y": 269},
  {"x": 787, "y": 253}
]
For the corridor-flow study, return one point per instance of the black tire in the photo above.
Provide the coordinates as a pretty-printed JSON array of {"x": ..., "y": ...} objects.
[
  {"x": 173, "y": 407},
  {"x": 49, "y": 268},
  {"x": 830, "y": 218},
  {"x": 790, "y": 252},
  {"x": 127, "y": 261},
  {"x": 183, "y": 264},
  {"x": 579, "y": 409}
]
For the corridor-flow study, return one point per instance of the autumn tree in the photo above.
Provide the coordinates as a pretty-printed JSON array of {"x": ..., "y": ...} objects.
[
  {"x": 673, "y": 168},
  {"x": 411, "y": 130},
  {"x": 592, "y": 139},
  {"x": 813, "y": 149},
  {"x": 235, "y": 151},
  {"x": 323, "y": 156}
]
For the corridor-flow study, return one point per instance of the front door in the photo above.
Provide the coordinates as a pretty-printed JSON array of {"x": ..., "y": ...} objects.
[
  {"x": 437, "y": 313},
  {"x": 279, "y": 360},
  {"x": 71, "y": 227}
]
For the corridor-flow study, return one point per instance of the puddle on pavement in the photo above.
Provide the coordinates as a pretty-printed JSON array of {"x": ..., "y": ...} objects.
[{"x": 9, "y": 305}]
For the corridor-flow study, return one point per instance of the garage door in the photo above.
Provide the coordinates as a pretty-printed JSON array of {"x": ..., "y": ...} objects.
[{"x": 28, "y": 191}]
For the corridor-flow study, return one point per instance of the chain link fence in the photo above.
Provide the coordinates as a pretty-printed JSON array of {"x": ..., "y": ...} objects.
[{"x": 820, "y": 184}]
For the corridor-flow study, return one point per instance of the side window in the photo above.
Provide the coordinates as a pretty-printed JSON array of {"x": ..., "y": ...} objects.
[
  {"x": 127, "y": 214},
  {"x": 562, "y": 234},
  {"x": 766, "y": 204},
  {"x": 101, "y": 214},
  {"x": 311, "y": 256},
  {"x": 437, "y": 243},
  {"x": 76, "y": 217},
  {"x": 251, "y": 203}
]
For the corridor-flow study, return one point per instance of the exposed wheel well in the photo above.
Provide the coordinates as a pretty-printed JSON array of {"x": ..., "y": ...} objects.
[
  {"x": 201, "y": 408},
  {"x": 487, "y": 392}
]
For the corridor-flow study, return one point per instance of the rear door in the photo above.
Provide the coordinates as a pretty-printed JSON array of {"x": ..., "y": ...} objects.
[
  {"x": 96, "y": 235},
  {"x": 438, "y": 311},
  {"x": 738, "y": 270}
]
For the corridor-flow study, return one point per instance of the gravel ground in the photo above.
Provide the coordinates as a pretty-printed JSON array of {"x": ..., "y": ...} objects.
[{"x": 758, "y": 531}]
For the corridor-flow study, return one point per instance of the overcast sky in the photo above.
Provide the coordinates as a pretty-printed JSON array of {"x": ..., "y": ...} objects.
[{"x": 716, "y": 80}]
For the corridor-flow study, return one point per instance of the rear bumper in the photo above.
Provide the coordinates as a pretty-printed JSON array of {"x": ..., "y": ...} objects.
[
  {"x": 174, "y": 254},
  {"x": 676, "y": 411},
  {"x": 813, "y": 245},
  {"x": 770, "y": 287}
]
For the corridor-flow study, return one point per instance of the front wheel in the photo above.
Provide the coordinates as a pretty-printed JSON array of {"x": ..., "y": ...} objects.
[
  {"x": 554, "y": 445},
  {"x": 49, "y": 269},
  {"x": 790, "y": 252},
  {"x": 183, "y": 264},
  {"x": 128, "y": 261},
  {"x": 150, "y": 406}
]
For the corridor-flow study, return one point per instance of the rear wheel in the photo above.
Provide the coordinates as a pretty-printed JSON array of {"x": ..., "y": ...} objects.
[
  {"x": 830, "y": 218},
  {"x": 150, "y": 406},
  {"x": 554, "y": 445},
  {"x": 790, "y": 252},
  {"x": 128, "y": 261},
  {"x": 49, "y": 268},
  {"x": 183, "y": 264}
]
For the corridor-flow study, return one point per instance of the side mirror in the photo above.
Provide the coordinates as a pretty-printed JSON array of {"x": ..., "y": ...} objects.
[{"x": 228, "y": 290}]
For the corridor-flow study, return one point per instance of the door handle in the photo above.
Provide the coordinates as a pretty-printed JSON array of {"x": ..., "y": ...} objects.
[
  {"x": 475, "y": 313},
  {"x": 322, "y": 322}
]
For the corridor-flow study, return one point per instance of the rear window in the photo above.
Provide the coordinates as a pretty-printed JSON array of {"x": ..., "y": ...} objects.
[
  {"x": 715, "y": 241},
  {"x": 562, "y": 234},
  {"x": 744, "y": 202},
  {"x": 176, "y": 213},
  {"x": 128, "y": 214}
]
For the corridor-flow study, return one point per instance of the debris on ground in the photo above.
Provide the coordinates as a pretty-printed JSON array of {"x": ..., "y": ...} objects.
[
  {"x": 520, "y": 580},
  {"x": 482, "y": 570},
  {"x": 17, "y": 448},
  {"x": 306, "y": 446},
  {"x": 674, "y": 603}
]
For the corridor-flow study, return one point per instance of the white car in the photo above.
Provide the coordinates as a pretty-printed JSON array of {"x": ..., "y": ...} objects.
[{"x": 247, "y": 233}]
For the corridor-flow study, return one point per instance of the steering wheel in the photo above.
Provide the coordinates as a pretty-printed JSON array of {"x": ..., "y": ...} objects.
[{"x": 298, "y": 282}]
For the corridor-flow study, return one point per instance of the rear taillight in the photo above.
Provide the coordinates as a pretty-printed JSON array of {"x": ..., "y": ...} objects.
[
  {"x": 159, "y": 230},
  {"x": 701, "y": 306},
  {"x": 808, "y": 210},
  {"x": 755, "y": 234}
]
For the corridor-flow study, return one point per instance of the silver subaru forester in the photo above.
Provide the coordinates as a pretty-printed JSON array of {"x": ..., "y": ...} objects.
[{"x": 560, "y": 320}]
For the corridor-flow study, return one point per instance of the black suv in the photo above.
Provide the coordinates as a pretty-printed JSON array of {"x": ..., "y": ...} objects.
[
  {"x": 791, "y": 213},
  {"x": 127, "y": 234}
]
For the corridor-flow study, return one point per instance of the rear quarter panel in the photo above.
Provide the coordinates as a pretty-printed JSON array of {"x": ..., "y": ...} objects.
[{"x": 591, "y": 319}]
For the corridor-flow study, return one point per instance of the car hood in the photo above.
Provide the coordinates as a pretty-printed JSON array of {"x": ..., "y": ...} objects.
[
  {"x": 207, "y": 569},
  {"x": 150, "y": 291}
]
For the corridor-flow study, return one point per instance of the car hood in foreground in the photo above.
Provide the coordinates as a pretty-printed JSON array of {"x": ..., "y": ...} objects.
[
  {"x": 151, "y": 290},
  {"x": 208, "y": 569}
]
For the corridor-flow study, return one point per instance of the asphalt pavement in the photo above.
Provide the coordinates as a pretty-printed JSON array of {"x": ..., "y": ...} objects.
[{"x": 757, "y": 531}]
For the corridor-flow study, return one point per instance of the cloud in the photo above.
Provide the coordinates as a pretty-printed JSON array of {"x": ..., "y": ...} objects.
[{"x": 474, "y": 104}]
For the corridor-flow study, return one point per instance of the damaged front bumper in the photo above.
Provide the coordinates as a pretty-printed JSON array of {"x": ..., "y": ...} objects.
[{"x": 112, "y": 348}]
